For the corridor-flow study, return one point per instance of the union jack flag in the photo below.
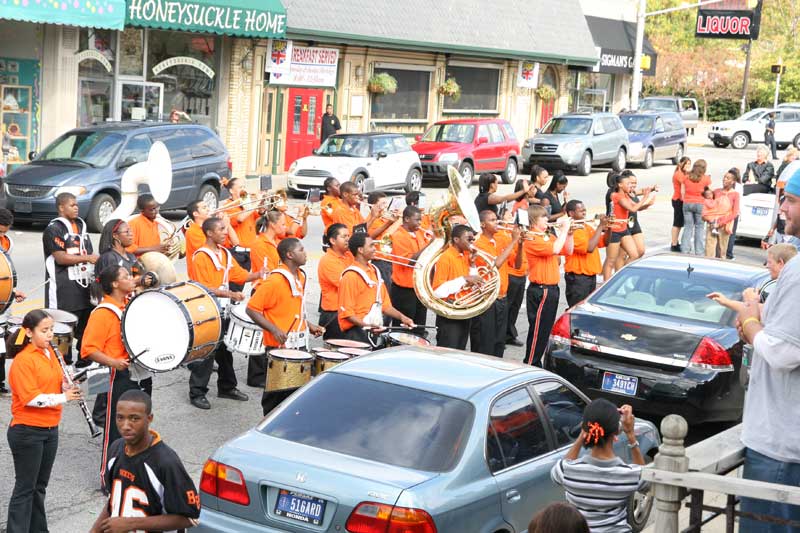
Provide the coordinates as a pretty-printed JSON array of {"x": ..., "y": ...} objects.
[
  {"x": 278, "y": 52},
  {"x": 527, "y": 71}
]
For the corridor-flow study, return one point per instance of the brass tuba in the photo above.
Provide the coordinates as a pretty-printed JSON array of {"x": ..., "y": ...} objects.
[{"x": 478, "y": 299}]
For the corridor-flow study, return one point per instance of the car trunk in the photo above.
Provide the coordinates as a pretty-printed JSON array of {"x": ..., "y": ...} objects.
[{"x": 275, "y": 468}]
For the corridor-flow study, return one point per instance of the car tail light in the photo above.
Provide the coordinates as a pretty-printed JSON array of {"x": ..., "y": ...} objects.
[
  {"x": 371, "y": 517},
  {"x": 230, "y": 165},
  {"x": 561, "y": 329},
  {"x": 710, "y": 354},
  {"x": 224, "y": 482}
]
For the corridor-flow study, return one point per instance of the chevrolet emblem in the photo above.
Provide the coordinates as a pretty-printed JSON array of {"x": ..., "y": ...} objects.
[{"x": 628, "y": 337}]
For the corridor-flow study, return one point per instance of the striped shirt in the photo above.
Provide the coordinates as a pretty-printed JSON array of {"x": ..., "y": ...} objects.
[{"x": 599, "y": 489}]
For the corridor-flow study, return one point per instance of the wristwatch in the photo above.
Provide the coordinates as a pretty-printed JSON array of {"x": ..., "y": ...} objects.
[{"x": 634, "y": 444}]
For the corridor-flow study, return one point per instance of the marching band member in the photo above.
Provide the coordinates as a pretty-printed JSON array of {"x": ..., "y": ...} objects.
[
  {"x": 331, "y": 201},
  {"x": 621, "y": 208},
  {"x": 215, "y": 268},
  {"x": 488, "y": 331},
  {"x": 199, "y": 212},
  {"x": 6, "y": 220},
  {"x": 146, "y": 237},
  {"x": 102, "y": 343},
  {"x": 412, "y": 199},
  {"x": 582, "y": 266},
  {"x": 543, "y": 292},
  {"x": 278, "y": 308},
  {"x": 39, "y": 392},
  {"x": 295, "y": 227},
  {"x": 408, "y": 241},
  {"x": 242, "y": 220},
  {"x": 363, "y": 298},
  {"x": 517, "y": 270},
  {"x": 329, "y": 272},
  {"x": 264, "y": 250},
  {"x": 115, "y": 239},
  {"x": 349, "y": 213},
  {"x": 69, "y": 264},
  {"x": 379, "y": 199},
  {"x": 455, "y": 271}
]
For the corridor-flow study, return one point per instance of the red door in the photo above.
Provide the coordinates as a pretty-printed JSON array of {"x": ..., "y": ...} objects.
[
  {"x": 305, "y": 110},
  {"x": 547, "y": 108}
]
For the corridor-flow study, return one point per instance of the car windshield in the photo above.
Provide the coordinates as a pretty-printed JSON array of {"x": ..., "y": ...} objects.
[
  {"x": 659, "y": 104},
  {"x": 568, "y": 126},
  {"x": 450, "y": 133},
  {"x": 669, "y": 293},
  {"x": 91, "y": 148},
  {"x": 637, "y": 124},
  {"x": 378, "y": 421},
  {"x": 345, "y": 145},
  {"x": 754, "y": 114}
]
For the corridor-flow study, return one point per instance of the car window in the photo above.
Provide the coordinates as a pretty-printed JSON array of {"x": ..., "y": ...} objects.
[
  {"x": 345, "y": 145},
  {"x": 688, "y": 105},
  {"x": 178, "y": 143},
  {"x": 672, "y": 123},
  {"x": 509, "y": 131},
  {"x": 204, "y": 144},
  {"x": 568, "y": 126},
  {"x": 483, "y": 131},
  {"x": 137, "y": 149},
  {"x": 400, "y": 144},
  {"x": 599, "y": 127},
  {"x": 377, "y": 421},
  {"x": 455, "y": 133},
  {"x": 564, "y": 408},
  {"x": 382, "y": 144},
  {"x": 660, "y": 125},
  {"x": 95, "y": 148},
  {"x": 516, "y": 432},
  {"x": 497, "y": 135},
  {"x": 658, "y": 104},
  {"x": 610, "y": 124},
  {"x": 637, "y": 123}
]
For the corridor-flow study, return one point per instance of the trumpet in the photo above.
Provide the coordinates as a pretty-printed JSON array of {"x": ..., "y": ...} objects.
[
  {"x": 384, "y": 249},
  {"x": 267, "y": 202}
]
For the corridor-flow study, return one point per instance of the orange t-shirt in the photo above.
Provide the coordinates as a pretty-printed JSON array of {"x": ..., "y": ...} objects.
[
  {"x": 293, "y": 229},
  {"x": 211, "y": 274},
  {"x": 246, "y": 229},
  {"x": 543, "y": 264},
  {"x": 581, "y": 262},
  {"x": 328, "y": 206},
  {"x": 264, "y": 252},
  {"x": 619, "y": 212},
  {"x": 103, "y": 332},
  {"x": 512, "y": 260},
  {"x": 406, "y": 244},
  {"x": 145, "y": 233},
  {"x": 195, "y": 239},
  {"x": 329, "y": 273},
  {"x": 356, "y": 296},
  {"x": 280, "y": 303},
  {"x": 452, "y": 264},
  {"x": 349, "y": 216},
  {"x": 678, "y": 178},
  {"x": 494, "y": 247},
  {"x": 693, "y": 191},
  {"x": 32, "y": 373}
]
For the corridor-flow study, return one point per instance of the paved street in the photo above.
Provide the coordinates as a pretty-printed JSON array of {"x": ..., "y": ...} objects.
[{"x": 73, "y": 499}]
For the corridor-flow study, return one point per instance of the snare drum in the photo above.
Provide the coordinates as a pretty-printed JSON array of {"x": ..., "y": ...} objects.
[
  {"x": 165, "y": 327},
  {"x": 354, "y": 352},
  {"x": 288, "y": 369},
  {"x": 8, "y": 282},
  {"x": 397, "y": 338},
  {"x": 328, "y": 360},
  {"x": 14, "y": 336},
  {"x": 62, "y": 336},
  {"x": 335, "y": 344},
  {"x": 64, "y": 317},
  {"x": 243, "y": 335}
]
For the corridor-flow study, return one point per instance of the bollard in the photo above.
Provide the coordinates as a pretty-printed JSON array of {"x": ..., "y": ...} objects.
[{"x": 671, "y": 457}]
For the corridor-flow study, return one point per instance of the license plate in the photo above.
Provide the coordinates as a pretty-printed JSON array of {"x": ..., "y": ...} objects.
[
  {"x": 300, "y": 507},
  {"x": 760, "y": 211},
  {"x": 619, "y": 384},
  {"x": 22, "y": 207}
]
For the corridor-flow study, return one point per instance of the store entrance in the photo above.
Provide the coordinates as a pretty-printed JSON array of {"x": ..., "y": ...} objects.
[
  {"x": 304, "y": 111},
  {"x": 139, "y": 101}
]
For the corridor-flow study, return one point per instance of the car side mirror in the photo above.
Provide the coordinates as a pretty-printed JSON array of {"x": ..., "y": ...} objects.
[
  {"x": 380, "y": 155},
  {"x": 127, "y": 162},
  {"x": 482, "y": 140},
  {"x": 417, "y": 138},
  {"x": 659, "y": 130},
  {"x": 32, "y": 155}
]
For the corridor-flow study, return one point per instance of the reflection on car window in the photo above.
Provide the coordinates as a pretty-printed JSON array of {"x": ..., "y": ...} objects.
[
  {"x": 637, "y": 124},
  {"x": 96, "y": 148},
  {"x": 483, "y": 131},
  {"x": 509, "y": 131},
  {"x": 497, "y": 135},
  {"x": 568, "y": 126},
  {"x": 659, "y": 105},
  {"x": 400, "y": 144},
  {"x": 564, "y": 408},
  {"x": 137, "y": 149},
  {"x": 453, "y": 133},
  {"x": 516, "y": 433},
  {"x": 382, "y": 144},
  {"x": 344, "y": 145}
]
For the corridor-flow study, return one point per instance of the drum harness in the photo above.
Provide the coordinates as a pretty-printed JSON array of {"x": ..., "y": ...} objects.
[
  {"x": 223, "y": 302},
  {"x": 375, "y": 315},
  {"x": 296, "y": 339},
  {"x": 82, "y": 273},
  {"x": 137, "y": 372}
]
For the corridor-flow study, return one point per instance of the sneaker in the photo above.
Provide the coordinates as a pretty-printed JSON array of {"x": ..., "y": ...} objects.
[
  {"x": 4, "y": 389},
  {"x": 234, "y": 394},
  {"x": 675, "y": 248},
  {"x": 513, "y": 341},
  {"x": 201, "y": 402}
]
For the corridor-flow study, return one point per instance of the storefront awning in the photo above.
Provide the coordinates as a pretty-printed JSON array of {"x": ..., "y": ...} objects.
[
  {"x": 241, "y": 18},
  {"x": 103, "y": 14},
  {"x": 617, "y": 42}
]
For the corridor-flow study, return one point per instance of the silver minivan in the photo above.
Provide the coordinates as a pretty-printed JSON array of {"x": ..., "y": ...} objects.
[{"x": 687, "y": 108}]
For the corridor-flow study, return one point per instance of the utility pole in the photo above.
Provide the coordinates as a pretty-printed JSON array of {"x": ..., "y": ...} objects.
[
  {"x": 743, "y": 105},
  {"x": 780, "y": 70},
  {"x": 637, "y": 55}
]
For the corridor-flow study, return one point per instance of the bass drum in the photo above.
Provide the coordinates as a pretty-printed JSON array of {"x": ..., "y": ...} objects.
[
  {"x": 8, "y": 282},
  {"x": 166, "y": 327}
]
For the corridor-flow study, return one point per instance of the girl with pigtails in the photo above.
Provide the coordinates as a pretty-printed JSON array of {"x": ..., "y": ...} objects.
[{"x": 599, "y": 483}]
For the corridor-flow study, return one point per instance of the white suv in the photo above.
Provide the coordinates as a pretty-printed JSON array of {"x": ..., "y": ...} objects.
[
  {"x": 386, "y": 159},
  {"x": 749, "y": 128}
]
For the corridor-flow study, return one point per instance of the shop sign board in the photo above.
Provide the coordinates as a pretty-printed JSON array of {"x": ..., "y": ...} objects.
[
  {"x": 183, "y": 60},
  {"x": 727, "y": 24},
  {"x": 310, "y": 67},
  {"x": 621, "y": 62},
  {"x": 96, "y": 56},
  {"x": 528, "y": 75}
]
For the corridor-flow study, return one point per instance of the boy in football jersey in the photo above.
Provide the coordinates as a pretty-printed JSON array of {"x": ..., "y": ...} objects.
[{"x": 150, "y": 488}]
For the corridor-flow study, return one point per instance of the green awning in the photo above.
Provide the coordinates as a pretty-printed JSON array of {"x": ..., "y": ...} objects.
[
  {"x": 241, "y": 18},
  {"x": 104, "y": 14}
]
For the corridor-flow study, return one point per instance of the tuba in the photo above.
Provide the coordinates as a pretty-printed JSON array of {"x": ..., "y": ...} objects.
[{"x": 476, "y": 300}]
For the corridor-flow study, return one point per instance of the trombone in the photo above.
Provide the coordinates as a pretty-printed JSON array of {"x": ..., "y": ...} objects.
[
  {"x": 267, "y": 202},
  {"x": 384, "y": 249}
]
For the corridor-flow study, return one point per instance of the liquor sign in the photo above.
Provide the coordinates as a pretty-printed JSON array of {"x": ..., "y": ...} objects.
[
  {"x": 310, "y": 67},
  {"x": 728, "y": 24}
]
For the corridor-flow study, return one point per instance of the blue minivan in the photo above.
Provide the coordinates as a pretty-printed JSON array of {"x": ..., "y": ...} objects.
[
  {"x": 89, "y": 163},
  {"x": 653, "y": 136}
]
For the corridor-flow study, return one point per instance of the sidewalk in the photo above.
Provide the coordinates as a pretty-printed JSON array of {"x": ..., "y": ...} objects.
[{"x": 700, "y": 137}]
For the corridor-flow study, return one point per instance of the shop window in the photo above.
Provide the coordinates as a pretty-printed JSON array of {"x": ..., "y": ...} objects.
[
  {"x": 95, "y": 78},
  {"x": 590, "y": 91},
  {"x": 410, "y": 102},
  {"x": 479, "y": 89},
  {"x": 131, "y": 52},
  {"x": 312, "y": 113}
]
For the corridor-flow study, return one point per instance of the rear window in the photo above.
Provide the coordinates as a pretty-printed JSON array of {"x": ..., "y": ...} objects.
[
  {"x": 377, "y": 421},
  {"x": 457, "y": 133},
  {"x": 569, "y": 126},
  {"x": 637, "y": 123},
  {"x": 659, "y": 105}
]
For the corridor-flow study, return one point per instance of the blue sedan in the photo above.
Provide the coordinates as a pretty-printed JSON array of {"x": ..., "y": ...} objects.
[{"x": 406, "y": 439}]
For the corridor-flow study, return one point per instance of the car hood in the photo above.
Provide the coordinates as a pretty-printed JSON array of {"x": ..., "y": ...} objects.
[
  {"x": 427, "y": 147},
  {"x": 49, "y": 174},
  {"x": 331, "y": 163},
  {"x": 557, "y": 138}
]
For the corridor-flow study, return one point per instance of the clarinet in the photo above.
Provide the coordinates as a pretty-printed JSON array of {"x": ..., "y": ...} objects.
[{"x": 93, "y": 430}]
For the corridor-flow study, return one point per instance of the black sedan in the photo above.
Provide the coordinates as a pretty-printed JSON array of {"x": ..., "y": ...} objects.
[{"x": 650, "y": 335}]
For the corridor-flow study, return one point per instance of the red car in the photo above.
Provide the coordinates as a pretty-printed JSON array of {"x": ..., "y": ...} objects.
[{"x": 472, "y": 145}]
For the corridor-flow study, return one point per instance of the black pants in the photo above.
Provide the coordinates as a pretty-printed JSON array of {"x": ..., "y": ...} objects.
[
  {"x": 257, "y": 370},
  {"x": 201, "y": 372},
  {"x": 357, "y": 334},
  {"x": 34, "y": 452},
  {"x": 405, "y": 300},
  {"x": 516, "y": 294},
  {"x": 452, "y": 333},
  {"x": 2, "y": 366},
  {"x": 769, "y": 140},
  {"x": 732, "y": 239},
  {"x": 330, "y": 321},
  {"x": 542, "y": 306},
  {"x": 120, "y": 382},
  {"x": 243, "y": 258},
  {"x": 487, "y": 331},
  {"x": 579, "y": 286},
  {"x": 99, "y": 409},
  {"x": 385, "y": 268}
]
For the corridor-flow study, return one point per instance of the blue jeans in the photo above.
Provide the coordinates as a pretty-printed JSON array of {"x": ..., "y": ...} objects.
[
  {"x": 762, "y": 468},
  {"x": 693, "y": 240}
]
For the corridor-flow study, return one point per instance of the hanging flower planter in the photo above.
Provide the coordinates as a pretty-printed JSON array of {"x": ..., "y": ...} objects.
[
  {"x": 546, "y": 92},
  {"x": 450, "y": 88},
  {"x": 383, "y": 83}
]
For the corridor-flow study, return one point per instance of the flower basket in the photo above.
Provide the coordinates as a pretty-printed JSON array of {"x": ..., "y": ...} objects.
[
  {"x": 450, "y": 88},
  {"x": 546, "y": 92},
  {"x": 383, "y": 83}
]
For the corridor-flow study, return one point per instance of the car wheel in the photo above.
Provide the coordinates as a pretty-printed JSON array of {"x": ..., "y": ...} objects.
[
  {"x": 210, "y": 196},
  {"x": 100, "y": 211},
  {"x": 585, "y": 166},
  {"x": 678, "y": 155},
  {"x": 510, "y": 173},
  {"x": 619, "y": 162},
  {"x": 648, "y": 159},
  {"x": 467, "y": 172},
  {"x": 740, "y": 140},
  {"x": 640, "y": 505},
  {"x": 358, "y": 179},
  {"x": 414, "y": 180},
  {"x": 720, "y": 144}
]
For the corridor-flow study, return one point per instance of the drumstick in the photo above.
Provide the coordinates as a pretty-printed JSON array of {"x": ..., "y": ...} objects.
[
  {"x": 39, "y": 286},
  {"x": 415, "y": 326},
  {"x": 290, "y": 329}
]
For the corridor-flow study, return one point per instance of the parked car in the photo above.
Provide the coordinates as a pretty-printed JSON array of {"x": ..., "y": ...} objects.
[
  {"x": 757, "y": 212},
  {"x": 385, "y": 159},
  {"x": 383, "y": 443},
  {"x": 654, "y": 135},
  {"x": 472, "y": 145},
  {"x": 89, "y": 163},
  {"x": 651, "y": 338},
  {"x": 578, "y": 140},
  {"x": 686, "y": 107},
  {"x": 749, "y": 128},
  {"x": 791, "y": 105}
]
